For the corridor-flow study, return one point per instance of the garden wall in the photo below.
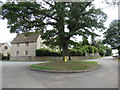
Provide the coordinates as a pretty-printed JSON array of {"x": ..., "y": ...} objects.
[
  {"x": 49, "y": 58},
  {"x": 0, "y": 56}
]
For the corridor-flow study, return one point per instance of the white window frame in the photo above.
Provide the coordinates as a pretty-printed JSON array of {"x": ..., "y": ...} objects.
[
  {"x": 26, "y": 53},
  {"x": 27, "y": 44},
  {"x": 17, "y": 53},
  {"x": 18, "y": 45}
]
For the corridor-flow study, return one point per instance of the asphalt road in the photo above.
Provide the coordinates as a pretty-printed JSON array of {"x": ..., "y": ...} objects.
[{"x": 17, "y": 75}]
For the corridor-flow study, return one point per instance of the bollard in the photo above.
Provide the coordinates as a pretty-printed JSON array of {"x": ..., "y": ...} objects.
[{"x": 65, "y": 59}]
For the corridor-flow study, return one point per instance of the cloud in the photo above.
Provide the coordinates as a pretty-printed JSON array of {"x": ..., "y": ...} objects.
[{"x": 5, "y": 35}]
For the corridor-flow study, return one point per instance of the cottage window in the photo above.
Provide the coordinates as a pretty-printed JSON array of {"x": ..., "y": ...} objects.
[
  {"x": 17, "y": 53},
  {"x": 27, "y": 44},
  {"x": 18, "y": 45},
  {"x": 6, "y": 47},
  {"x": 26, "y": 52}
]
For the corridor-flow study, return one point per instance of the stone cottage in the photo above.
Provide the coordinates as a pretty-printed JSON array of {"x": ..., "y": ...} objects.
[
  {"x": 24, "y": 47},
  {"x": 4, "y": 50}
]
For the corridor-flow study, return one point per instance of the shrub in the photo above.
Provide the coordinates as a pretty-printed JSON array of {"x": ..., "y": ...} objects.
[
  {"x": 46, "y": 52},
  {"x": 95, "y": 49},
  {"x": 101, "y": 52},
  {"x": 108, "y": 51},
  {"x": 73, "y": 52},
  {"x": 77, "y": 52},
  {"x": 90, "y": 49},
  {"x": 83, "y": 50}
]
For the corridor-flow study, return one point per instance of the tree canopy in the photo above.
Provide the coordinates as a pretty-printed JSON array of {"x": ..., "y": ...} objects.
[
  {"x": 112, "y": 35},
  {"x": 50, "y": 19}
]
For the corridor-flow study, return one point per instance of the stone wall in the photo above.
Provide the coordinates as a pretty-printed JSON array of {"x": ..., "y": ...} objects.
[
  {"x": 0, "y": 56},
  {"x": 49, "y": 58},
  {"x": 20, "y": 58},
  {"x": 22, "y": 48}
]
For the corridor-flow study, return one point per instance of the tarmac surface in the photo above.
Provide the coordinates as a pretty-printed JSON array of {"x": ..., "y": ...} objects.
[{"x": 17, "y": 75}]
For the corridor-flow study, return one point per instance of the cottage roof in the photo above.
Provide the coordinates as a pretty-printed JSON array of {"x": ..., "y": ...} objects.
[
  {"x": 1, "y": 44},
  {"x": 6, "y": 43},
  {"x": 22, "y": 38}
]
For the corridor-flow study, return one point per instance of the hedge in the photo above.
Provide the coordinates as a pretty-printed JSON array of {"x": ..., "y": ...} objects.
[
  {"x": 73, "y": 52},
  {"x": 46, "y": 52},
  {"x": 76, "y": 53},
  {"x": 83, "y": 50}
]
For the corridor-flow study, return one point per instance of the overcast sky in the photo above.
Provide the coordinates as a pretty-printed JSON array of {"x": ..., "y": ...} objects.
[{"x": 112, "y": 13}]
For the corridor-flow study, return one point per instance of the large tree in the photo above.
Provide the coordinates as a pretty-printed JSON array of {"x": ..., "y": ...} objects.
[
  {"x": 79, "y": 18},
  {"x": 112, "y": 35},
  {"x": 1, "y": 7}
]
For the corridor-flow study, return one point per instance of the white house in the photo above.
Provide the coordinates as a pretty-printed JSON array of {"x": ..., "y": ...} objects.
[
  {"x": 114, "y": 51},
  {"x": 24, "y": 47},
  {"x": 4, "y": 49},
  {"x": 119, "y": 10}
]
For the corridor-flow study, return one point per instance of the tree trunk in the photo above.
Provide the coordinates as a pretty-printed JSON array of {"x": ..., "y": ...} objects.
[{"x": 65, "y": 51}]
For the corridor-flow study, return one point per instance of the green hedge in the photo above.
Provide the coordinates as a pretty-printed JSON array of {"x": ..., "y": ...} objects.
[
  {"x": 105, "y": 51},
  {"x": 108, "y": 51},
  {"x": 73, "y": 52},
  {"x": 101, "y": 52},
  {"x": 77, "y": 53},
  {"x": 46, "y": 52},
  {"x": 83, "y": 50}
]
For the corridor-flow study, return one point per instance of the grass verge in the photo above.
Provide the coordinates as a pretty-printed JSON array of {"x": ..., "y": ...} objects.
[
  {"x": 50, "y": 60},
  {"x": 66, "y": 66},
  {"x": 116, "y": 59},
  {"x": 18, "y": 60},
  {"x": 91, "y": 58}
]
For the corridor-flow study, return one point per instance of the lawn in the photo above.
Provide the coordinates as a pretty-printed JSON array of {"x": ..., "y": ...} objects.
[
  {"x": 21, "y": 60},
  {"x": 18, "y": 60},
  {"x": 66, "y": 66},
  {"x": 119, "y": 59},
  {"x": 116, "y": 59}
]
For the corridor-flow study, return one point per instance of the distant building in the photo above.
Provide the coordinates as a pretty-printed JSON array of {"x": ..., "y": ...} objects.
[
  {"x": 114, "y": 51},
  {"x": 24, "y": 47},
  {"x": 119, "y": 10},
  {"x": 4, "y": 49},
  {"x": 1, "y": 3}
]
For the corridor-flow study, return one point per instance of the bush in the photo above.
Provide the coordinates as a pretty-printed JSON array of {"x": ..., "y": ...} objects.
[
  {"x": 105, "y": 51},
  {"x": 91, "y": 49},
  {"x": 73, "y": 52},
  {"x": 83, "y": 50},
  {"x": 101, "y": 52},
  {"x": 46, "y": 52},
  {"x": 77, "y": 53},
  {"x": 95, "y": 49},
  {"x": 108, "y": 51}
]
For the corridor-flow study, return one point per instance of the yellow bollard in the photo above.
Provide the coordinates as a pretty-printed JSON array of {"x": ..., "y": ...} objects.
[{"x": 65, "y": 58}]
